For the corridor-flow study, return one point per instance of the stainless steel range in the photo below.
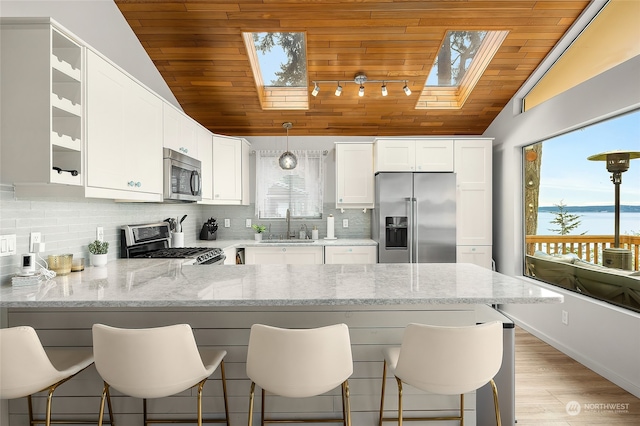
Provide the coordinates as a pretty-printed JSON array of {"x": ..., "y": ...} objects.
[{"x": 153, "y": 241}]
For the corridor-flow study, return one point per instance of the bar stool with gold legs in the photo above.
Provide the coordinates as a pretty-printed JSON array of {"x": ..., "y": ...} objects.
[
  {"x": 446, "y": 361},
  {"x": 155, "y": 363},
  {"x": 299, "y": 363},
  {"x": 27, "y": 368}
]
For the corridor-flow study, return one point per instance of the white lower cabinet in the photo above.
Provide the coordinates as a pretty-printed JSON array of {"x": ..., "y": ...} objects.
[
  {"x": 478, "y": 255},
  {"x": 342, "y": 255},
  {"x": 284, "y": 255},
  {"x": 230, "y": 253}
]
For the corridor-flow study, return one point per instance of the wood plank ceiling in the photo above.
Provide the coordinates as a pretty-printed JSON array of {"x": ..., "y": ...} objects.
[{"x": 198, "y": 48}]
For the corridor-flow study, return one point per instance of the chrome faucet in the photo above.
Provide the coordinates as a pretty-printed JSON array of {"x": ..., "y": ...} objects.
[{"x": 288, "y": 218}]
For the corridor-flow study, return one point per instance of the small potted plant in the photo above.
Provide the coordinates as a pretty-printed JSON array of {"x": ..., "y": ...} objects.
[
  {"x": 259, "y": 230},
  {"x": 98, "y": 252}
]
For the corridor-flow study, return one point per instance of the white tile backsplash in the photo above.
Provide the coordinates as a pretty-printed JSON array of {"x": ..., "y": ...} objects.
[{"x": 69, "y": 225}]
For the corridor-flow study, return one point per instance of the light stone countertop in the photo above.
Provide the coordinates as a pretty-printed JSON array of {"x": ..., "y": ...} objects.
[
  {"x": 225, "y": 244},
  {"x": 168, "y": 283}
]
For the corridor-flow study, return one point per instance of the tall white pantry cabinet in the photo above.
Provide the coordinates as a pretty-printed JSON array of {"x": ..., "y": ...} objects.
[{"x": 471, "y": 160}]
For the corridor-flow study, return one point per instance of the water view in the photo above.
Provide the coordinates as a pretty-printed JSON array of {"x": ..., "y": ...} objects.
[{"x": 592, "y": 223}]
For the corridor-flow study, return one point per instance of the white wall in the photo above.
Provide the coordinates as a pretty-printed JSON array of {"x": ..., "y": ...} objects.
[
  {"x": 602, "y": 337},
  {"x": 99, "y": 24}
]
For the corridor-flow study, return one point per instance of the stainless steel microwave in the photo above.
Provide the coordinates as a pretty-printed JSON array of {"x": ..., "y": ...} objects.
[{"x": 182, "y": 177}]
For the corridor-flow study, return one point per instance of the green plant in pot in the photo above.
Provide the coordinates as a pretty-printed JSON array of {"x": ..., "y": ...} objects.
[
  {"x": 98, "y": 252},
  {"x": 259, "y": 230}
]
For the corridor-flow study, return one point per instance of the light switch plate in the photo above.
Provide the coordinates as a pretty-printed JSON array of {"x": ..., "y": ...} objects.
[
  {"x": 7, "y": 245},
  {"x": 248, "y": 223},
  {"x": 345, "y": 223},
  {"x": 227, "y": 223}
]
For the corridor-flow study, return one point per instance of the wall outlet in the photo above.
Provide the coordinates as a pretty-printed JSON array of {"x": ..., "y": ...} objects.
[
  {"x": 100, "y": 233},
  {"x": 34, "y": 237},
  {"x": 227, "y": 223},
  {"x": 248, "y": 223},
  {"x": 565, "y": 317},
  {"x": 345, "y": 223}
]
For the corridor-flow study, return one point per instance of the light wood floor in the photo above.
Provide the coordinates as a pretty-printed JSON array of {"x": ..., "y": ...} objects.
[{"x": 547, "y": 380}]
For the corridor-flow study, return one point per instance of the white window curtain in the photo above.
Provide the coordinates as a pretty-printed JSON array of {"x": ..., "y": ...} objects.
[{"x": 300, "y": 189}]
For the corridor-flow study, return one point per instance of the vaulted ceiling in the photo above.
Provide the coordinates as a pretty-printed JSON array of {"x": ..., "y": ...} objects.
[{"x": 198, "y": 48}]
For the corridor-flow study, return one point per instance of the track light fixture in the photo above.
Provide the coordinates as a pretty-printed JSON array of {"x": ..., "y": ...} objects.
[{"x": 360, "y": 80}]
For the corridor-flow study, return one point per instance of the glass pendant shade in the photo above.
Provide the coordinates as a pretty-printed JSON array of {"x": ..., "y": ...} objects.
[{"x": 288, "y": 161}]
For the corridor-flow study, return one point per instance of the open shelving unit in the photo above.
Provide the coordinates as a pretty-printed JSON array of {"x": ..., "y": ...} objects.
[{"x": 42, "y": 104}]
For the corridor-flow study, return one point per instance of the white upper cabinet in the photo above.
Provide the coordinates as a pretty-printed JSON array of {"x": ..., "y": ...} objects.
[
  {"x": 124, "y": 135},
  {"x": 180, "y": 132},
  {"x": 205, "y": 152},
  {"x": 473, "y": 191},
  {"x": 414, "y": 155},
  {"x": 354, "y": 175},
  {"x": 41, "y": 81},
  {"x": 230, "y": 171}
]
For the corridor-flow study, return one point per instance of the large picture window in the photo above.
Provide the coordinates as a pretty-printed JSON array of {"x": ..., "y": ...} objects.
[
  {"x": 570, "y": 211},
  {"x": 300, "y": 190}
]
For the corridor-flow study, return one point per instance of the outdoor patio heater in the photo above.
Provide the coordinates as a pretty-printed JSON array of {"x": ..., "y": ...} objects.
[{"x": 617, "y": 163}]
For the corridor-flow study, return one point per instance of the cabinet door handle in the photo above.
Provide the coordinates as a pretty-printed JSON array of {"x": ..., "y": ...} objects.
[
  {"x": 131, "y": 183},
  {"x": 138, "y": 184}
]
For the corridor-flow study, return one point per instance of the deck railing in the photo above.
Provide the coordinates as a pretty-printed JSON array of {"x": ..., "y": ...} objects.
[{"x": 586, "y": 247}]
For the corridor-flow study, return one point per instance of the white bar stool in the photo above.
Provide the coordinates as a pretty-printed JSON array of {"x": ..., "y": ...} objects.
[
  {"x": 300, "y": 363},
  {"x": 27, "y": 368},
  {"x": 155, "y": 363},
  {"x": 444, "y": 360}
]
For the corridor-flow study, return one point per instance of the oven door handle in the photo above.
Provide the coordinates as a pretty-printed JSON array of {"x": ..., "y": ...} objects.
[{"x": 195, "y": 182}]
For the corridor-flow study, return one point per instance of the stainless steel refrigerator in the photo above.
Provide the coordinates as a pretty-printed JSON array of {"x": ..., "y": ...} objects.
[{"x": 414, "y": 218}]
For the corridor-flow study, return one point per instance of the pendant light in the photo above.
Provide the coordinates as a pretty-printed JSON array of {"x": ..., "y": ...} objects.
[{"x": 288, "y": 160}]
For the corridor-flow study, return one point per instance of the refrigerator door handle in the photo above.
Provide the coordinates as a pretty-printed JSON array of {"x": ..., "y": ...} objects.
[
  {"x": 414, "y": 229},
  {"x": 410, "y": 224}
]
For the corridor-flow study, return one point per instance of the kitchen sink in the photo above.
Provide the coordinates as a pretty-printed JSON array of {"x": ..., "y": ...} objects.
[{"x": 288, "y": 241}]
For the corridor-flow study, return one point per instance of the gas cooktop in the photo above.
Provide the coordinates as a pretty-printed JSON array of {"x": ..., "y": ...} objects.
[{"x": 152, "y": 241}]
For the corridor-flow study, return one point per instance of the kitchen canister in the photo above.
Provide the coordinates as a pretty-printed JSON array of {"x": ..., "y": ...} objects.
[
  {"x": 60, "y": 263},
  {"x": 177, "y": 239},
  {"x": 330, "y": 228},
  {"x": 314, "y": 233}
]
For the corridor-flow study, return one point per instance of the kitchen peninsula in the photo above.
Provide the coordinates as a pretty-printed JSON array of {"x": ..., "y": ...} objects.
[
  {"x": 221, "y": 303},
  {"x": 153, "y": 283}
]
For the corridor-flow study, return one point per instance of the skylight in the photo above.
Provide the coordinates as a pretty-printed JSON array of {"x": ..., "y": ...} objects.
[
  {"x": 461, "y": 61},
  {"x": 279, "y": 64},
  {"x": 455, "y": 57}
]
